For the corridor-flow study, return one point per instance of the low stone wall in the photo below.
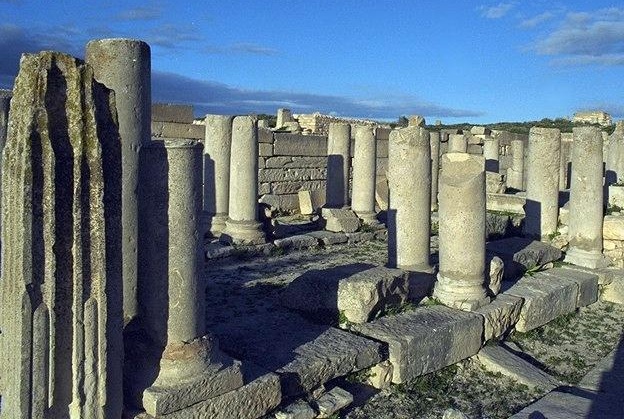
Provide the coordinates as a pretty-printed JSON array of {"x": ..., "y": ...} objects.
[{"x": 318, "y": 123}]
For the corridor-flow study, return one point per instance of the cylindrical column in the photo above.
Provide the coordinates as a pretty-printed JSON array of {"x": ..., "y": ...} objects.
[
  {"x": 515, "y": 173},
  {"x": 586, "y": 199},
  {"x": 364, "y": 174},
  {"x": 338, "y": 163},
  {"x": 242, "y": 226},
  {"x": 5, "y": 101},
  {"x": 565, "y": 161},
  {"x": 434, "y": 141},
  {"x": 461, "y": 276},
  {"x": 124, "y": 66},
  {"x": 615, "y": 156},
  {"x": 542, "y": 188},
  {"x": 409, "y": 206},
  {"x": 217, "y": 146},
  {"x": 457, "y": 143},
  {"x": 491, "y": 154}
]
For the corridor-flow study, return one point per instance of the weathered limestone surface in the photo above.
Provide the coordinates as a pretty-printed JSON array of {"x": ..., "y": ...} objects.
[
  {"x": 520, "y": 254},
  {"x": 332, "y": 401},
  {"x": 340, "y": 220},
  {"x": 587, "y": 283},
  {"x": 491, "y": 148},
  {"x": 434, "y": 141},
  {"x": 545, "y": 299},
  {"x": 426, "y": 339},
  {"x": 409, "y": 164},
  {"x": 61, "y": 311},
  {"x": 217, "y": 147},
  {"x": 542, "y": 187},
  {"x": 299, "y": 145},
  {"x": 364, "y": 174},
  {"x": 302, "y": 353},
  {"x": 299, "y": 409},
  {"x": 295, "y": 162},
  {"x": 169, "y": 112},
  {"x": 614, "y": 290},
  {"x": 242, "y": 226},
  {"x": 615, "y": 155},
  {"x": 356, "y": 292},
  {"x": 505, "y": 203},
  {"x": 500, "y": 315},
  {"x": 338, "y": 164},
  {"x": 5, "y": 101},
  {"x": 562, "y": 405},
  {"x": 586, "y": 200},
  {"x": 177, "y": 130},
  {"x": 498, "y": 360},
  {"x": 515, "y": 174},
  {"x": 457, "y": 143},
  {"x": 462, "y": 232},
  {"x": 124, "y": 65}
]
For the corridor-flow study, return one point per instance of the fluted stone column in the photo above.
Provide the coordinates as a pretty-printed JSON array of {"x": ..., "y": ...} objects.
[
  {"x": 242, "y": 226},
  {"x": 542, "y": 188},
  {"x": 338, "y": 164},
  {"x": 434, "y": 141},
  {"x": 364, "y": 174},
  {"x": 124, "y": 65},
  {"x": 457, "y": 143},
  {"x": 586, "y": 200},
  {"x": 491, "y": 154},
  {"x": 515, "y": 173},
  {"x": 174, "y": 302},
  {"x": 409, "y": 206},
  {"x": 461, "y": 276},
  {"x": 217, "y": 147}
]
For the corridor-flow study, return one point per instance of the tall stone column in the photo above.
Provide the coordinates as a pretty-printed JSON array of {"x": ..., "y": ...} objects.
[
  {"x": 515, "y": 173},
  {"x": 434, "y": 141},
  {"x": 217, "y": 147},
  {"x": 586, "y": 199},
  {"x": 364, "y": 174},
  {"x": 338, "y": 164},
  {"x": 461, "y": 276},
  {"x": 542, "y": 188},
  {"x": 124, "y": 65},
  {"x": 409, "y": 207},
  {"x": 174, "y": 300},
  {"x": 491, "y": 154},
  {"x": 615, "y": 156},
  {"x": 61, "y": 289},
  {"x": 242, "y": 226},
  {"x": 457, "y": 143},
  {"x": 5, "y": 101}
]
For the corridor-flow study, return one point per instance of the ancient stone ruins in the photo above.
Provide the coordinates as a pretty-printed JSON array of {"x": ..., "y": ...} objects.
[{"x": 112, "y": 206}]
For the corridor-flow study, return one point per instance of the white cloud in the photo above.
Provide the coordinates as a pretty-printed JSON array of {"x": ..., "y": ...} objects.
[
  {"x": 498, "y": 11},
  {"x": 536, "y": 20}
]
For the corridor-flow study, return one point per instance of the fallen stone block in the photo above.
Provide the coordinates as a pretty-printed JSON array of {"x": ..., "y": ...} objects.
[
  {"x": 521, "y": 254},
  {"x": 354, "y": 293},
  {"x": 614, "y": 291},
  {"x": 340, "y": 220},
  {"x": 426, "y": 339},
  {"x": 499, "y": 360},
  {"x": 587, "y": 283},
  {"x": 328, "y": 237},
  {"x": 300, "y": 409},
  {"x": 577, "y": 403},
  {"x": 301, "y": 241},
  {"x": 332, "y": 401},
  {"x": 613, "y": 227},
  {"x": 505, "y": 203},
  {"x": 545, "y": 299},
  {"x": 361, "y": 236},
  {"x": 380, "y": 375},
  {"x": 500, "y": 315}
]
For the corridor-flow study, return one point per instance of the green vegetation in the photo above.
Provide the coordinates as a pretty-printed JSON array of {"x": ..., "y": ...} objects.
[{"x": 564, "y": 125}]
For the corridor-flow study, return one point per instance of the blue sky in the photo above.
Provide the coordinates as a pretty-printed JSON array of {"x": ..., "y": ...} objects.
[{"x": 451, "y": 60}]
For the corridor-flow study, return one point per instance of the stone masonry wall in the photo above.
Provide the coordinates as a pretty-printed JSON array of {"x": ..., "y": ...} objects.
[{"x": 318, "y": 123}]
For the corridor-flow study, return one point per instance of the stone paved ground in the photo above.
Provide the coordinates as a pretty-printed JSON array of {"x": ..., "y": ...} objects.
[{"x": 238, "y": 287}]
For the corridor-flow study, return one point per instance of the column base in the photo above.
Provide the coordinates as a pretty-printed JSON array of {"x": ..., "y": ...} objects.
[
  {"x": 423, "y": 267},
  {"x": 243, "y": 233},
  {"x": 586, "y": 259},
  {"x": 463, "y": 295},
  {"x": 368, "y": 218},
  {"x": 213, "y": 225},
  {"x": 190, "y": 373}
]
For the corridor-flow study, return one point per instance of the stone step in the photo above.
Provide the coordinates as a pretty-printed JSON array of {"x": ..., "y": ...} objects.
[
  {"x": 499, "y": 360},
  {"x": 426, "y": 339},
  {"x": 587, "y": 283},
  {"x": 303, "y": 354},
  {"x": 545, "y": 297},
  {"x": 571, "y": 403},
  {"x": 500, "y": 315}
]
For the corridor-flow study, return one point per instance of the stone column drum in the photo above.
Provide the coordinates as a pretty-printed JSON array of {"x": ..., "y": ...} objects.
[
  {"x": 461, "y": 276},
  {"x": 409, "y": 206},
  {"x": 515, "y": 173},
  {"x": 542, "y": 188},
  {"x": 457, "y": 143},
  {"x": 586, "y": 200},
  {"x": 364, "y": 174},
  {"x": 242, "y": 226},
  {"x": 491, "y": 154},
  {"x": 217, "y": 147},
  {"x": 434, "y": 141},
  {"x": 124, "y": 65},
  {"x": 338, "y": 164}
]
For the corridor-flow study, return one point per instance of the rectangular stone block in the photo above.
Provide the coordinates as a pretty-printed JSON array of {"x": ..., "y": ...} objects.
[
  {"x": 265, "y": 135},
  {"x": 287, "y": 175},
  {"x": 587, "y": 283},
  {"x": 613, "y": 227},
  {"x": 500, "y": 315},
  {"x": 178, "y": 130},
  {"x": 614, "y": 291},
  {"x": 426, "y": 339},
  {"x": 265, "y": 150},
  {"x": 382, "y": 149},
  {"x": 264, "y": 188},
  {"x": 545, "y": 299},
  {"x": 505, "y": 203},
  {"x": 296, "y": 186},
  {"x": 294, "y": 162},
  {"x": 286, "y": 144},
  {"x": 169, "y": 112},
  {"x": 520, "y": 254},
  {"x": 474, "y": 149},
  {"x": 288, "y": 202},
  {"x": 382, "y": 133}
]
